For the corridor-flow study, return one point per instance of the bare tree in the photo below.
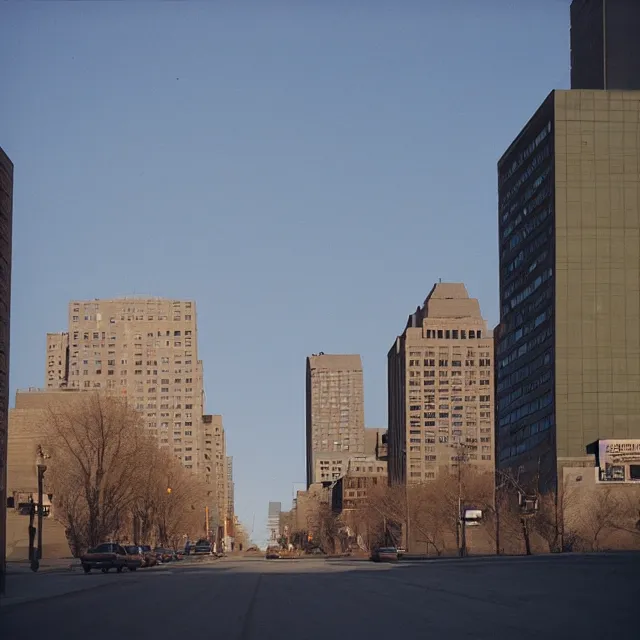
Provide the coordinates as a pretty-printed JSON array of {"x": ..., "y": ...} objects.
[
  {"x": 95, "y": 445},
  {"x": 180, "y": 504},
  {"x": 110, "y": 480},
  {"x": 598, "y": 516}
]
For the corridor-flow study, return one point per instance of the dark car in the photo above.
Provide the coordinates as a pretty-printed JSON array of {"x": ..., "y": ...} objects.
[
  {"x": 202, "y": 547},
  {"x": 273, "y": 553},
  {"x": 384, "y": 554},
  {"x": 104, "y": 557}
]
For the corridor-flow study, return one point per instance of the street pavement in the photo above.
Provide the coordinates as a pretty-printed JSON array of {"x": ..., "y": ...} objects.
[{"x": 568, "y": 596}]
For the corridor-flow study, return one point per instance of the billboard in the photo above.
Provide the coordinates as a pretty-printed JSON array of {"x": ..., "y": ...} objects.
[{"x": 619, "y": 460}]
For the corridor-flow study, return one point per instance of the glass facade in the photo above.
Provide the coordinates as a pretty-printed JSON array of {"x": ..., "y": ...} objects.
[{"x": 524, "y": 345}]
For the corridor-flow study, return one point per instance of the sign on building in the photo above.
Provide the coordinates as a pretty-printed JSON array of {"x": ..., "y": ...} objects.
[{"x": 619, "y": 460}]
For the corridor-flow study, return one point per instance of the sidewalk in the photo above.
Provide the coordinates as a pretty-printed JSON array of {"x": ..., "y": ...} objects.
[
  {"x": 26, "y": 586},
  {"x": 46, "y": 565}
]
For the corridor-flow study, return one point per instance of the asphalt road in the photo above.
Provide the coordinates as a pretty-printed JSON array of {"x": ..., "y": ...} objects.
[{"x": 547, "y": 597}]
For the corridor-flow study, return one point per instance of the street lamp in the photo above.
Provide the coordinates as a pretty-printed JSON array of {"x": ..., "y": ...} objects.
[{"x": 36, "y": 555}]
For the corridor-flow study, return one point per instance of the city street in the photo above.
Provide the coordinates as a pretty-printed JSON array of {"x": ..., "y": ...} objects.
[{"x": 251, "y": 599}]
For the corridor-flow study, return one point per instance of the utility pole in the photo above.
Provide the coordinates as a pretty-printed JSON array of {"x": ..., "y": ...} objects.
[{"x": 41, "y": 469}]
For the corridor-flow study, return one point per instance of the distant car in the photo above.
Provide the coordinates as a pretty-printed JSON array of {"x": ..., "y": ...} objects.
[
  {"x": 385, "y": 554},
  {"x": 273, "y": 553},
  {"x": 163, "y": 554},
  {"x": 202, "y": 547}
]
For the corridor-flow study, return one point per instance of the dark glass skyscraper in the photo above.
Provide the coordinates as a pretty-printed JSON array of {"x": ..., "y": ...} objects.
[
  {"x": 568, "y": 343},
  {"x": 605, "y": 44}
]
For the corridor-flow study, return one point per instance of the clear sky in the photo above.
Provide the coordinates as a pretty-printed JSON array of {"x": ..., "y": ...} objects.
[{"x": 304, "y": 170}]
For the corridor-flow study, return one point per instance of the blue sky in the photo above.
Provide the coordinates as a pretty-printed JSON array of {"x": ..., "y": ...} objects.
[{"x": 305, "y": 171}]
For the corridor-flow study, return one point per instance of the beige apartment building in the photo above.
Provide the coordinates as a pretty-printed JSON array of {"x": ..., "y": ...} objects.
[
  {"x": 335, "y": 414},
  {"x": 440, "y": 388},
  {"x": 214, "y": 433},
  {"x": 144, "y": 350}
]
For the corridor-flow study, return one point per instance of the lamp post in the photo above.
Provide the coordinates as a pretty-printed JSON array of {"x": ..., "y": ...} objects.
[{"x": 35, "y": 555}]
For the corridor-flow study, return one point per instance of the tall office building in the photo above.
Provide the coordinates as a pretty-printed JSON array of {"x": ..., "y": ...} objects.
[
  {"x": 6, "y": 225},
  {"x": 605, "y": 44},
  {"x": 568, "y": 343},
  {"x": 440, "y": 388},
  {"x": 335, "y": 414},
  {"x": 144, "y": 350}
]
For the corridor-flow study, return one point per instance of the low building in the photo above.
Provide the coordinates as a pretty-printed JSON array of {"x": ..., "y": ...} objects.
[{"x": 349, "y": 493}]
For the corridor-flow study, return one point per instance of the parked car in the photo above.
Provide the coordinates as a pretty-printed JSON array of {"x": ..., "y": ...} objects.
[
  {"x": 135, "y": 557},
  {"x": 273, "y": 553},
  {"x": 104, "y": 557},
  {"x": 163, "y": 555},
  {"x": 149, "y": 557},
  {"x": 384, "y": 554},
  {"x": 202, "y": 547}
]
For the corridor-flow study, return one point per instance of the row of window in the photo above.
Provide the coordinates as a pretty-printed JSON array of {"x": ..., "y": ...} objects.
[
  {"x": 525, "y": 153},
  {"x": 537, "y": 161},
  {"x": 483, "y": 362},
  {"x": 454, "y": 334},
  {"x": 535, "y": 438},
  {"x": 525, "y": 389},
  {"x": 527, "y": 409},
  {"x": 528, "y": 290},
  {"x": 523, "y": 330}
]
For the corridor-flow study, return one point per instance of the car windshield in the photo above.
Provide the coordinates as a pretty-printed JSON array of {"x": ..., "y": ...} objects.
[
  {"x": 105, "y": 548},
  {"x": 132, "y": 549}
]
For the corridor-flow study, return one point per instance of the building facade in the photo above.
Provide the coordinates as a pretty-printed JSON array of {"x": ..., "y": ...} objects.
[
  {"x": 273, "y": 522},
  {"x": 230, "y": 489},
  {"x": 605, "y": 47},
  {"x": 214, "y": 433},
  {"x": 568, "y": 344},
  {"x": 440, "y": 388},
  {"x": 6, "y": 226},
  {"x": 144, "y": 350},
  {"x": 334, "y": 414},
  {"x": 349, "y": 493}
]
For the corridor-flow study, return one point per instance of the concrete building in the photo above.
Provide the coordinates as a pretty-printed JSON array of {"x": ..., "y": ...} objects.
[
  {"x": 214, "y": 433},
  {"x": 605, "y": 47},
  {"x": 373, "y": 437},
  {"x": 6, "y": 226},
  {"x": 440, "y": 387},
  {"x": 568, "y": 344},
  {"x": 273, "y": 522},
  {"x": 146, "y": 351},
  {"x": 230, "y": 489},
  {"x": 349, "y": 493},
  {"x": 335, "y": 414}
]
